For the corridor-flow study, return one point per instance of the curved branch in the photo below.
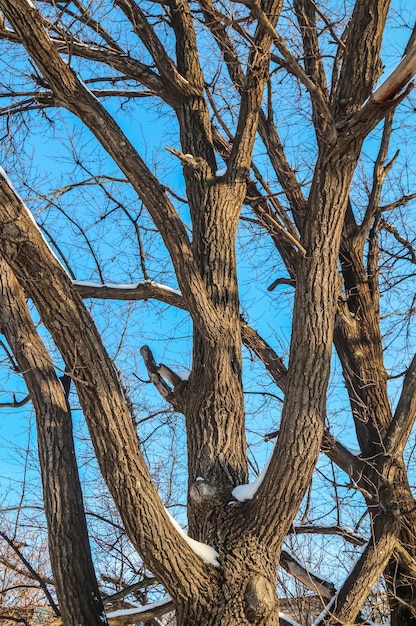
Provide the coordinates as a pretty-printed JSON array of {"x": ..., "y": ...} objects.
[
  {"x": 168, "y": 71},
  {"x": 110, "y": 424},
  {"x": 364, "y": 574},
  {"x": 64, "y": 508},
  {"x": 347, "y": 534},
  {"x": 317, "y": 584},
  {"x": 405, "y": 414},
  {"x": 73, "y": 95}
]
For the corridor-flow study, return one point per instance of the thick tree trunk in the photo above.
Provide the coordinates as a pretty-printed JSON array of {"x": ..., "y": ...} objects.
[
  {"x": 73, "y": 570},
  {"x": 247, "y": 595}
]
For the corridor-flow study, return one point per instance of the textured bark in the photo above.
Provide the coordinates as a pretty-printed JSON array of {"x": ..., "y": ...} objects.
[
  {"x": 248, "y": 536},
  {"x": 112, "y": 431},
  {"x": 76, "y": 585}
]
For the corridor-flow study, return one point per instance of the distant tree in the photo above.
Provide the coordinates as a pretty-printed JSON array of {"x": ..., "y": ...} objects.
[{"x": 278, "y": 125}]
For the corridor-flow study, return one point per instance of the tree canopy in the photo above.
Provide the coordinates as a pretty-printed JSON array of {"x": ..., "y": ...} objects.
[{"x": 227, "y": 187}]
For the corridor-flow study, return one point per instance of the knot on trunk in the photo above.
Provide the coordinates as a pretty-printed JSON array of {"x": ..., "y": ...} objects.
[
  {"x": 259, "y": 599},
  {"x": 202, "y": 491},
  {"x": 15, "y": 232}
]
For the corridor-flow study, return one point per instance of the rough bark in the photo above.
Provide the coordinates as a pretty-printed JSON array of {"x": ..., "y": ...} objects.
[
  {"x": 111, "y": 427},
  {"x": 74, "y": 577},
  {"x": 248, "y": 536}
]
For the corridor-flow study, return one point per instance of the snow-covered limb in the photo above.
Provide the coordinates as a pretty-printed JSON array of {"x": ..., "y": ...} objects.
[
  {"x": 247, "y": 492},
  {"x": 134, "y": 291},
  {"x": 311, "y": 580},
  {"x": 206, "y": 552},
  {"x": 141, "y": 614},
  {"x": 325, "y": 612},
  {"x": 125, "y": 286},
  {"x": 125, "y": 617},
  {"x": 285, "y": 620}
]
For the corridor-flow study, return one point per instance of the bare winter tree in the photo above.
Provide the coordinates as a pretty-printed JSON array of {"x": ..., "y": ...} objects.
[{"x": 333, "y": 213}]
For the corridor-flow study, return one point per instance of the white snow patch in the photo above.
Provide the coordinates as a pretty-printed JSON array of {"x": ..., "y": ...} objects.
[
  {"x": 164, "y": 287},
  {"x": 138, "y": 610},
  {"x": 206, "y": 552},
  {"x": 90, "y": 283},
  {"x": 126, "y": 286},
  {"x": 348, "y": 530},
  {"x": 247, "y": 492}
]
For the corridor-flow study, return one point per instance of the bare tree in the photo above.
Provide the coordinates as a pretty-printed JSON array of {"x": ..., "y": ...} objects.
[{"x": 226, "y": 72}]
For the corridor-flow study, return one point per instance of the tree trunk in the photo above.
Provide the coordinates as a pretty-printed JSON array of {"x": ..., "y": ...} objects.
[
  {"x": 247, "y": 595},
  {"x": 73, "y": 570}
]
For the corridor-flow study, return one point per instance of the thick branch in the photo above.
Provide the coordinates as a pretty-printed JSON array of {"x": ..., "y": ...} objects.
[
  {"x": 405, "y": 414},
  {"x": 73, "y": 94},
  {"x": 252, "y": 92},
  {"x": 168, "y": 71},
  {"x": 111, "y": 427},
  {"x": 133, "y": 616},
  {"x": 365, "y": 573},
  {"x": 128, "y": 66},
  {"x": 361, "y": 65},
  {"x": 73, "y": 570},
  {"x": 390, "y": 93},
  {"x": 351, "y": 464},
  {"x": 398, "y": 79},
  {"x": 347, "y": 534},
  {"x": 157, "y": 375},
  {"x": 145, "y": 291},
  {"x": 319, "y": 585}
]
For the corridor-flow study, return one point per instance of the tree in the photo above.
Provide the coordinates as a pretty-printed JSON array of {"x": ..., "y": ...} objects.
[{"x": 222, "y": 70}]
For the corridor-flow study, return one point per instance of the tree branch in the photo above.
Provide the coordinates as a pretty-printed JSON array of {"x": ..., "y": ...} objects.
[
  {"x": 365, "y": 572},
  {"x": 64, "y": 508},
  {"x": 323, "y": 115},
  {"x": 72, "y": 93},
  {"x": 148, "y": 290},
  {"x": 405, "y": 414},
  {"x": 126, "y": 617},
  {"x": 317, "y": 584},
  {"x": 361, "y": 65},
  {"x": 110, "y": 424},
  {"x": 177, "y": 84}
]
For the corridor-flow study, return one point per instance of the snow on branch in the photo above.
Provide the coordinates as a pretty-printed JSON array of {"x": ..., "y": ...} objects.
[
  {"x": 398, "y": 78},
  {"x": 125, "y": 617},
  {"x": 313, "y": 581},
  {"x": 207, "y": 553},
  {"x": 133, "y": 291},
  {"x": 247, "y": 492}
]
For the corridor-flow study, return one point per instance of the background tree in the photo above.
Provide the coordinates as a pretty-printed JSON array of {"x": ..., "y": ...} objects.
[{"x": 228, "y": 76}]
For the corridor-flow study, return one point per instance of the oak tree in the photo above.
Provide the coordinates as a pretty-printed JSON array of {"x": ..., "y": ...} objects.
[{"x": 326, "y": 199}]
